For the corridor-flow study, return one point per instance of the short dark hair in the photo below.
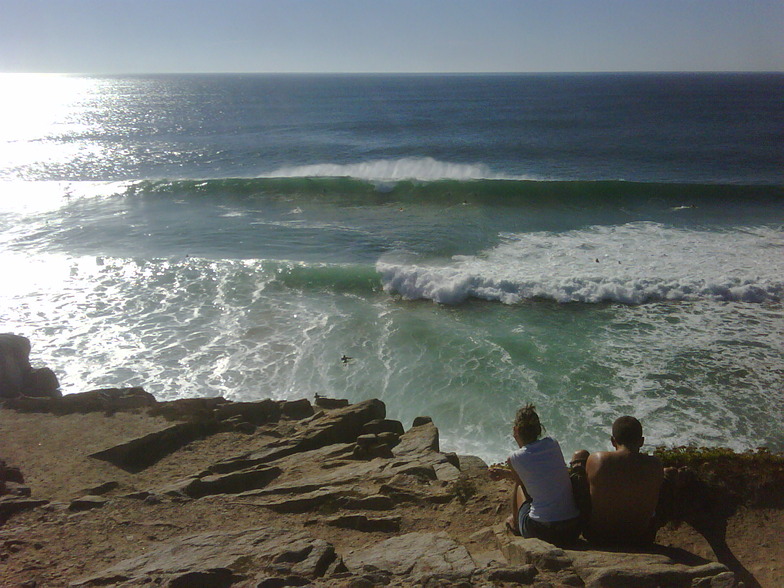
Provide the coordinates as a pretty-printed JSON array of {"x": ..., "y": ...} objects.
[
  {"x": 527, "y": 423},
  {"x": 627, "y": 430}
]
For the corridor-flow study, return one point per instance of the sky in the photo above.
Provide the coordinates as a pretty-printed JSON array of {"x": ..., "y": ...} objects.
[{"x": 180, "y": 36}]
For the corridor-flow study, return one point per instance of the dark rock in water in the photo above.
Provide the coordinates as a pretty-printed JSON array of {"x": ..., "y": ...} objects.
[
  {"x": 17, "y": 377},
  {"x": 14, "y": 364},
  {"x": 42, "y": 383}
]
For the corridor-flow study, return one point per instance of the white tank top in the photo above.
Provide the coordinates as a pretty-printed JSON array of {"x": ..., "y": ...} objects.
[{"x": 542, "y": 469}]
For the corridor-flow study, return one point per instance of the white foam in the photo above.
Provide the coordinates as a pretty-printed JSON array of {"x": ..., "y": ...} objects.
[
  {"x": 24, "y": 197},
  {"x": 631, "y": 263},
  {"x": 409, "y": 168}
]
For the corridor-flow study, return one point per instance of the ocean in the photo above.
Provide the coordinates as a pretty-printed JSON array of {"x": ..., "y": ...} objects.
[{"x": 595, "y": 244}]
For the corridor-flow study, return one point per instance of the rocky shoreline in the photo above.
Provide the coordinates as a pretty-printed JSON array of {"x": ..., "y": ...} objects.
[
  {"x": 122, "y": 490},
  {"x": 112, "y": 487}
]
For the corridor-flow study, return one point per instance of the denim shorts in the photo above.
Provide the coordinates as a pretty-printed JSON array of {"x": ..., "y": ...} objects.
[{"x": 557, "y": 532}]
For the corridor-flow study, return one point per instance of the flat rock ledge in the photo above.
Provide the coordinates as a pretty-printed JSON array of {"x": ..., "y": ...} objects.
[
  {"x": 332, "y": 465},
  {"x": 268, "y": 557}
]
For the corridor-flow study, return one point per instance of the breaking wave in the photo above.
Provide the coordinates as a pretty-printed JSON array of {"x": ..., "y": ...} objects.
[{"x": 630, "y": 264}]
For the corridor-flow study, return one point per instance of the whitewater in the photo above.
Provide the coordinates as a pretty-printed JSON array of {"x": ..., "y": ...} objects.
[{"x": 596, "y": 245}]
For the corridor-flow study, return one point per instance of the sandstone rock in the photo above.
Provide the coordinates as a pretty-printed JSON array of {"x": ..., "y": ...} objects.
[
  {"x": 520, "y": 551},
  {"x": 105, "y": 399},
  {"x": 418, "y": 440},
  {"x": 221, "y": 557},
  {"x": 613, "y": 569},
  {"x": 343, "y": 425},
  {"x": 335, "y": 428},
  {"x": 299, "y": 503},
  {"x": 297, "y": 409},
  {"x": 102, "y": 489},
  {"x": 361, "y": 522},
  {"x": 419, "y": 557},
  {"x": 232, "y": 483},
  {"x": 87, "y": 503},
  {"x": 415, "y": 494},
  {"x": 10, "y": 505},
  {"x": 367, "y": 440},
  {"x": 14, "y": 489},
  {"x": 215, "y": 578},
  {"x": 257, "y": 413},
  {"x": 188, "y": 409},
  {"x": 421, "y": 420},
  {"x": 609, "y": 569},
  {"x": 10, "y": 473},
  {"x": 444, "y": 469},
  {"x": 721, "y": 580},
  {"x": 483, "y": 536},
  {"x": 383, "y": 426},
  {"x": 374, "y": 502},
  {"x": 142, "y": 452},
  {"x": 330, "y": 403},
  {"x": 519, "y": 574},
  {"x": 388, "y": 438},
  {"x": 471, "y": 463}
]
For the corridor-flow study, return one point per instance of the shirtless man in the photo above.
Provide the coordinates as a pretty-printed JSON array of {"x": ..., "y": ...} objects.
[{"x": 624, "y": 486}]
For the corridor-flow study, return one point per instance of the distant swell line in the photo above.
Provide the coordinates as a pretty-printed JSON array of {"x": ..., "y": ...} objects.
[{"x": 549, "y": 193}]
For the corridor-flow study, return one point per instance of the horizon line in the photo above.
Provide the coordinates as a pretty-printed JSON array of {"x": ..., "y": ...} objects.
[{"x": 401, "y": 73}]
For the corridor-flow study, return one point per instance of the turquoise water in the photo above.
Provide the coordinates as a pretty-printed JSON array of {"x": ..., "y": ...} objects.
[{"x": 597, "y": 245}]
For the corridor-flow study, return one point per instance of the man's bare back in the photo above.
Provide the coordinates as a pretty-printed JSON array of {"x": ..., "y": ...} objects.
[{"x": 624, "y": 486}]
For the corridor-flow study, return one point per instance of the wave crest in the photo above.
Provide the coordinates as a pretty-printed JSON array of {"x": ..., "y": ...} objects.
[
  {"x": 631, "y": 264},
  {"x": 390, "y": 170}
]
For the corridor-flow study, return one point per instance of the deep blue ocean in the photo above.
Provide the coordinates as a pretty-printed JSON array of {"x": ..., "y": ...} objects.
[{"x": 597, "y": 244}]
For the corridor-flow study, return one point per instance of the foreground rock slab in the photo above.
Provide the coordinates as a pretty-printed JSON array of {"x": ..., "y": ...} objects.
[
  {"x": 222, "y": 559},
  {"x": 615, "y": 569},
  {"x": 419, "y": 557}
]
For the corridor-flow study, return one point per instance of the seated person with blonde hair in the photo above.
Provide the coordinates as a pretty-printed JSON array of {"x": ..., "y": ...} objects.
[{"x": 542, "y": 503}]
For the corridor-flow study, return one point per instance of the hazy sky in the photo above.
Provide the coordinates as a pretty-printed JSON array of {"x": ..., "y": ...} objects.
[{"x": 141, "y": 36}]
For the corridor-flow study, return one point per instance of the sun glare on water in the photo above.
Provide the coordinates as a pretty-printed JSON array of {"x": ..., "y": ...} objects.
[{"x": 39, "y": 113}]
